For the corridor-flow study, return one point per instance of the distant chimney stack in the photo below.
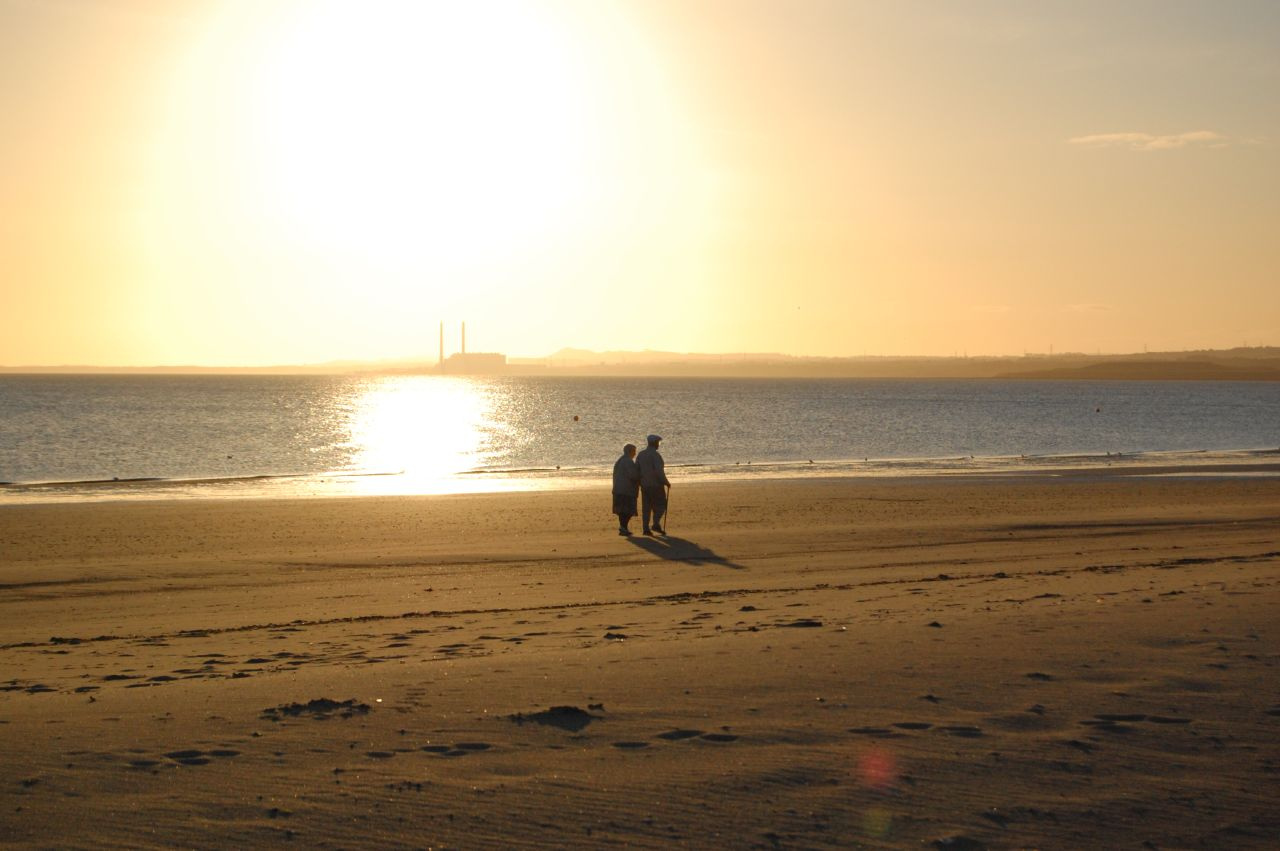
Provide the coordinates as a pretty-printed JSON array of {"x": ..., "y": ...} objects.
[
  {"x": 441, "y": 361},
  {"x": 464, "y": 338}
]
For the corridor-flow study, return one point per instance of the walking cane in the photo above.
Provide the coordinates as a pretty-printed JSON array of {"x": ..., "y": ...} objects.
[{"x": 666, "y": 517}]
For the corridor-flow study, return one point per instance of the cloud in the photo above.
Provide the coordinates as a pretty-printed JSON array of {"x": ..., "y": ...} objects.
[{"x": 1148, "y": 142}]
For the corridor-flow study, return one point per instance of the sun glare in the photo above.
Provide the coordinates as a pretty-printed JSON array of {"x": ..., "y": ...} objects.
[
  {"x": 409, "y": 129},
  {"x": 420, "y": 429},
  {"x": 374, "y": 167}
]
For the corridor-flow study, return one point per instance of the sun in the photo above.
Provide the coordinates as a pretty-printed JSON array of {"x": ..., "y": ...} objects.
[
  {"x": 371, "y": 167},
  {"x": 412, "y": 129}
]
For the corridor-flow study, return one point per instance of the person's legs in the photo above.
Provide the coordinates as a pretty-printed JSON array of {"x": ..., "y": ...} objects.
[
  {"x": 625, "y": 509},
  {"x": 647, "y": 500},
  {"x": 659, "y": 511},
  {"x": 655, "y": 505}
]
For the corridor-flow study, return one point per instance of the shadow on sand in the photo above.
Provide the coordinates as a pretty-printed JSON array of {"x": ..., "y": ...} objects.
[{"x": 679, "y": 549}]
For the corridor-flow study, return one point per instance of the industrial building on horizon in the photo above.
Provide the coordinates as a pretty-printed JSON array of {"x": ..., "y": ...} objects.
[{"x": 473, "y": 363}]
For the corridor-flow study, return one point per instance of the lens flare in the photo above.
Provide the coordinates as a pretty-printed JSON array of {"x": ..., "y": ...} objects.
[
  {"x": 877, "y": 769},
  {"x": 877, "y": 822}
]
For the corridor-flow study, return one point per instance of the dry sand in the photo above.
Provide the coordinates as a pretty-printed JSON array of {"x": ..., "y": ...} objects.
[{"x": 951, "y": 663}]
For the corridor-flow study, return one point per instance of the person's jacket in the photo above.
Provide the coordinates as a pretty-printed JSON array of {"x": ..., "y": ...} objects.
[
  {"x": 652, "y": 468},
  {"x": 626, "y": 476}
]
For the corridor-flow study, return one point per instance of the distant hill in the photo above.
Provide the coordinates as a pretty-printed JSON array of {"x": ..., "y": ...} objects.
[
  {"x": 1241, "y": 364},
  {"x": 1159, "y": 370},
  {"x": 587, "y": 357},
  {"x": 1245, "y": 364}
]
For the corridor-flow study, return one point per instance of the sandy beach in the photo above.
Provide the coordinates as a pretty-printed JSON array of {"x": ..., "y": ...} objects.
[{"x": 943, "y": 662}]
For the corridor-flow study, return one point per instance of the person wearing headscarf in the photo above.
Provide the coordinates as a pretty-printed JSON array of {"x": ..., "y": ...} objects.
[{"x": 626, "y": 486}]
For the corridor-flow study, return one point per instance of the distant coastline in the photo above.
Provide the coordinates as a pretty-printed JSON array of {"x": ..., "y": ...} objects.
[{"x": 1240, "y": 364}]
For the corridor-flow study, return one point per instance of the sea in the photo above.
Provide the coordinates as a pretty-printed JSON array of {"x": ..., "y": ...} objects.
[{"x": 113, "y": 437}]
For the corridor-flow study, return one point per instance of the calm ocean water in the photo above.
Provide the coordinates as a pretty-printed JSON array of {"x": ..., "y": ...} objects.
[{"x": 70, "y": 437}]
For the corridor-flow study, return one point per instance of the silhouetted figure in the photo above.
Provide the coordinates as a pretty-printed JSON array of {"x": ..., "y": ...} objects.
[
  {"x": 653, "y": 486},
  {"x": 626, "y": 486}
]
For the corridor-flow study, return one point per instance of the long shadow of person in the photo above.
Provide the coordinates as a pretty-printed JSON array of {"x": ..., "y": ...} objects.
[{"x": 679, "y": 549}]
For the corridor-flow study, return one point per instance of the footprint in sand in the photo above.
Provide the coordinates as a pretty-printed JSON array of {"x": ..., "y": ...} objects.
[
  {"x": 718, "y": 737},
  {"x": 958, "y": 843},
  {"x": 912, "y": 725},
  {"x": 964, "y": 731},
  {"x": 194, "y": 757},
  {"x": 1021, "y": 722},
  {"x": 456, "y": 750},
  {"x": 679, "y": 735},
  {"x": 1119, "y": 723},
  {"x": 875, "y": 732},
  {"x": 199, "y": 756},
  {"x": 570, "y": 718},
  {"x": 320, "y": 709},
  {"x": 1106, "y": 726},
  {"x": 630, "y": 745}
]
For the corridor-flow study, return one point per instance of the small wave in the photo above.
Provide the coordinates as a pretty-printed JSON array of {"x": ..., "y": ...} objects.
[
  {"x": 521, "y": 471},
  {"x": 944, "y": 463},
  {"x": 143, "y": 481},
  {"x": 539, "y": 477}
]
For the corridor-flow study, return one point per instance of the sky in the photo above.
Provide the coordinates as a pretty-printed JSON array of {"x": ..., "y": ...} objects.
[{"x": 219, "y": 182}]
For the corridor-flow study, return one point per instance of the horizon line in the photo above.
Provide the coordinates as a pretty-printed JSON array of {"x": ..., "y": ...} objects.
[{"x": 548, "y": 361}]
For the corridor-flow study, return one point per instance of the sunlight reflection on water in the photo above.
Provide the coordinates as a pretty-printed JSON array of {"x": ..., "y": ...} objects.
[
  {"x": 416, "y": 434},
  {"x": 108, "y": 437},
  {"x": 423, "y": 429}
]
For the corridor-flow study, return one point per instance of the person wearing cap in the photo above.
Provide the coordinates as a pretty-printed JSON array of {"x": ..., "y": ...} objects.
[
  {"x": 653, "y": 486},
  {"x": 626, "y": 486}
]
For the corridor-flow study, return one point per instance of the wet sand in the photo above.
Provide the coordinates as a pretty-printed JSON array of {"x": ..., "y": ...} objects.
[{"x": 942, "y": 662}]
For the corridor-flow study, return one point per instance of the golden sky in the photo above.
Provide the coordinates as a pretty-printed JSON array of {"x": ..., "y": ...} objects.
[{"x": 218, "y": 182}]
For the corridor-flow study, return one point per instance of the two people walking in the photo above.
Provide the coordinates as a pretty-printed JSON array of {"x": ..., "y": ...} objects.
[{"x": 642, "y": 473}]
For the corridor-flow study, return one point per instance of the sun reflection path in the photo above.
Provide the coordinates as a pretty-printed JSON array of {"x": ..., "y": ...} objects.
[{"x": 427, "y": 429}]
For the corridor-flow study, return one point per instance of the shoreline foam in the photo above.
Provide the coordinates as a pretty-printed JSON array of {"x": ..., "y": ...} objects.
[{"x": 1255, "y": 462}]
